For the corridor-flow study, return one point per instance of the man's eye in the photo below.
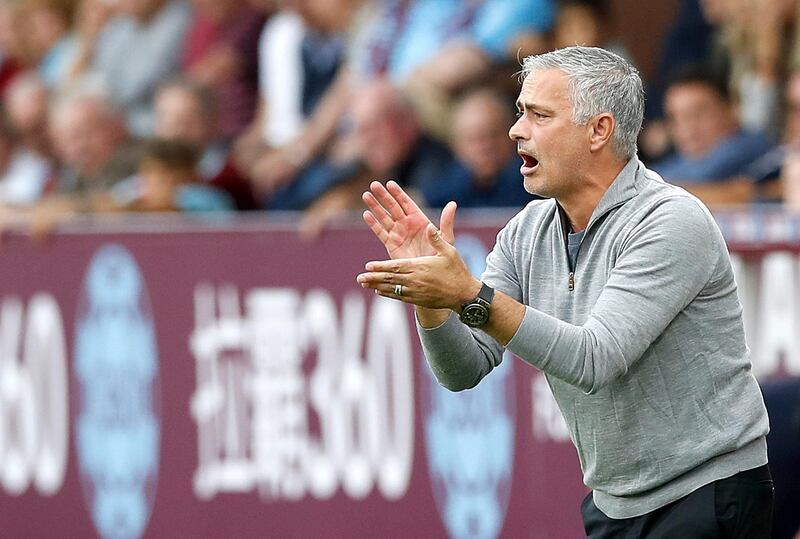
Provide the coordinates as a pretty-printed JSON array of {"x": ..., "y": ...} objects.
[{"x": 519, "y": 114}]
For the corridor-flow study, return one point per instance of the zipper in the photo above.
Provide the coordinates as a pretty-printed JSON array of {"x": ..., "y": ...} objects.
[{"x": 571, "y": 274}]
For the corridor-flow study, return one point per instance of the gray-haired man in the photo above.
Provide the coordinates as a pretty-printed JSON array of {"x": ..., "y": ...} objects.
[{"x": 619, "y": 287}]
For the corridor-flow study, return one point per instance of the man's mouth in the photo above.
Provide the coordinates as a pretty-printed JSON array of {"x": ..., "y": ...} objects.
[{"x": 529, "y": 163}]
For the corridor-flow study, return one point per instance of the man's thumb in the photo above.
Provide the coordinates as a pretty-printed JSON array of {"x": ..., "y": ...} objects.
[{"x": 435, "y": 237}]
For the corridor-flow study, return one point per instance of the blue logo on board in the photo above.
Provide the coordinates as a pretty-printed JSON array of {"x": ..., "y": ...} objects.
[
  {"x": 469, "y": 437},
  {"x": 117, "y": 428}
]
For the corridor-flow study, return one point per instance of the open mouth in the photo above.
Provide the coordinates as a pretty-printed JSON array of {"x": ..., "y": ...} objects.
[{"x": 529, "y": 163}]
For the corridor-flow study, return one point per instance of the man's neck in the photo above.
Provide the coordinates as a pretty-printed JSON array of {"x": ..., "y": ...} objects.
[{"x": 580, "y": 206}]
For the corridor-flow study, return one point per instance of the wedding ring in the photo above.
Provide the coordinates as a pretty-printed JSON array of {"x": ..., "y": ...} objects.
[{"x": 398, "y": 290}]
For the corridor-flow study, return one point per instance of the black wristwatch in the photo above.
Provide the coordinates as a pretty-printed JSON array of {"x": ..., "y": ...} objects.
[{"x": 475, "y": 313}]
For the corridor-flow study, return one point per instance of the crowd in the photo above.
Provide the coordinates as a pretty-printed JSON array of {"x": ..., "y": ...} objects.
[{"x": 225, "y": 105}]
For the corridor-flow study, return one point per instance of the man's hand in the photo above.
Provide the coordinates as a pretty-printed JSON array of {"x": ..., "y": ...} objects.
[
  {"x": 440, "y": 281},
  {"x": 400, "y": 225}
]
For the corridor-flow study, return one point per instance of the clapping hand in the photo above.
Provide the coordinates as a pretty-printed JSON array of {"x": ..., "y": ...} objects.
[
  {"x": 399, "y": 223},
  {"x": 425, "y": 269}
]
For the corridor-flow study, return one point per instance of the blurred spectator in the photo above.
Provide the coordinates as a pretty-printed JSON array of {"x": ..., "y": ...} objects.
[
  {"x": 757, "y": 35},
  {"x": 778, "y": 172},
  {"x": 300, "y": 53},
  {"x": 186, "y": 111},
  {"x": 711, "y": 149},
  {"x": 49, "y": 39},
  {"x": 167, "y": 181},
  {"x": 431, "y": 48},
  {"x": 12, "y": 52},
  {"x": 131, "y": 46},
  {"x": 31, "y": 168},
  {"x": 392, "y": 145},
  {"x": 22, "y": 175},
  {"x": 28, "y": 105},
  {"x": 91, "y": 142},
  {"x": 437, "y": 47},
  {"x": 449, "y": 43},
  {"x": 221, "y": 51},
  {"x": 487, "y": 172},
  {"x": 585, "y": 22}
]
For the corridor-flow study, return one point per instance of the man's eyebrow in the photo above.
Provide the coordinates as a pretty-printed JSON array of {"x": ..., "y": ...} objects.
[{"x": 533, "y": 106}]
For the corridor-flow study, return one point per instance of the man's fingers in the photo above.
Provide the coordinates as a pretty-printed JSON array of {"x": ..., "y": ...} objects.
[
  {"x": 377, "y": 229},
  {"x": 400, "y": 265},
  {"x": 386, "y": 200},
  {"x": 391, "y": 291},
  {"x": 405, "y": 201},
  {"x": 447, "y": 222},
  {"x": 374, "y": 278},
  {"x": 379, "y": 212}
]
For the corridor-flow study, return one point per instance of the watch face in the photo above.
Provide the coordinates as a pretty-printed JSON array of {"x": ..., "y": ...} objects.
[{"x": 475, "y": 314}]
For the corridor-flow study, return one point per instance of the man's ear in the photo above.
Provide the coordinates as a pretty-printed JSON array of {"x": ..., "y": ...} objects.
[{"x": 601, "y": 130}]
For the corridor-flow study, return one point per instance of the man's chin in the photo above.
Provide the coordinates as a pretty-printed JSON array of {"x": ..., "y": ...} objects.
[{"x": 535, "y": 186}]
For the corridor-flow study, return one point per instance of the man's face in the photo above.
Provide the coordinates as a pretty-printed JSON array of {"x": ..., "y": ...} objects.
[
  {"x": 480, "y": 137},
  {"x": 384, "y": 135},
  {"x": 554, "y": 150},
  {"x": 27, "y": 111},
  {"x": 792, "y": 128},
  {"x": 180, "y": 116},
  {"x": 698, "y": 118},
  {"x": 85, "y": 137}
]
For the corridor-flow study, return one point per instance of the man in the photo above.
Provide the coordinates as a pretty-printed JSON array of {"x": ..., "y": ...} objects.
[
  {"x": 131, "y": 46},
  {"x": 620, "y": 289},
  {"x": 389, "y": 142},
  {"x": 30, "y": 170},
  {"x": 91, "y": 142},
  {"x": 486, "y": 173},
  {"x": 712, "y": 151}
]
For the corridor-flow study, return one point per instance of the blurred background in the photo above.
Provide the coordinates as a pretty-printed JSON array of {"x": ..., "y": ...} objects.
[{"x": 184, "y": 351}]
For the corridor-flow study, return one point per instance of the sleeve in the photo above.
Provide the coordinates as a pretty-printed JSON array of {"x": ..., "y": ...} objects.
[
  {"x": 459, "y": 356},
  {"x": 162, "y": 57},
  {"x": 663, "y": 265}
]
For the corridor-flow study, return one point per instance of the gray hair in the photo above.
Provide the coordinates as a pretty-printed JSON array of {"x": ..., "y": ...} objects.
[{"x": 599, "y": 81}]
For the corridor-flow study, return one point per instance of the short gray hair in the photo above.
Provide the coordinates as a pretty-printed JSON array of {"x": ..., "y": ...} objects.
[{"x": 599, "y": 81}]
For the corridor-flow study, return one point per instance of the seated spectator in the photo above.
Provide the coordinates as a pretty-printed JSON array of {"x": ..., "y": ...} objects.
[
  {"x": 391, "y": 144},
  {"x": 585, "y": 22},
  {"x": 50, "y": 41},
  {"x": 12, "y": 49},
  {"x": 431, "y": 48},
  {"x": 487, "y": 171},
  {"x": 91, "y": 142},
  {"x": 186, "y": 111},
  {"x": 711, "y": 149},
  {"x": 167, "y": 181},
  {"x": 27, "y": 102},
  {"x": 300, "y": 53},
  {"x": 778, "y": 172},
  {"x": 131, "y": 46},
  {"x": 22, "y": 176},
  {"x": 221, "y": 51},
  {"x": 31, "y": 169}
]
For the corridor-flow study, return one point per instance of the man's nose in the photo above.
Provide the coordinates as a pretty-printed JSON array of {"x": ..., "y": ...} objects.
[{"x": 517, "y": 132}]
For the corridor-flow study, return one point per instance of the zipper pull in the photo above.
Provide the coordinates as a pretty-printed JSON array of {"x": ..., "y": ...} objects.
[{"x": 571, "y": 281}]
